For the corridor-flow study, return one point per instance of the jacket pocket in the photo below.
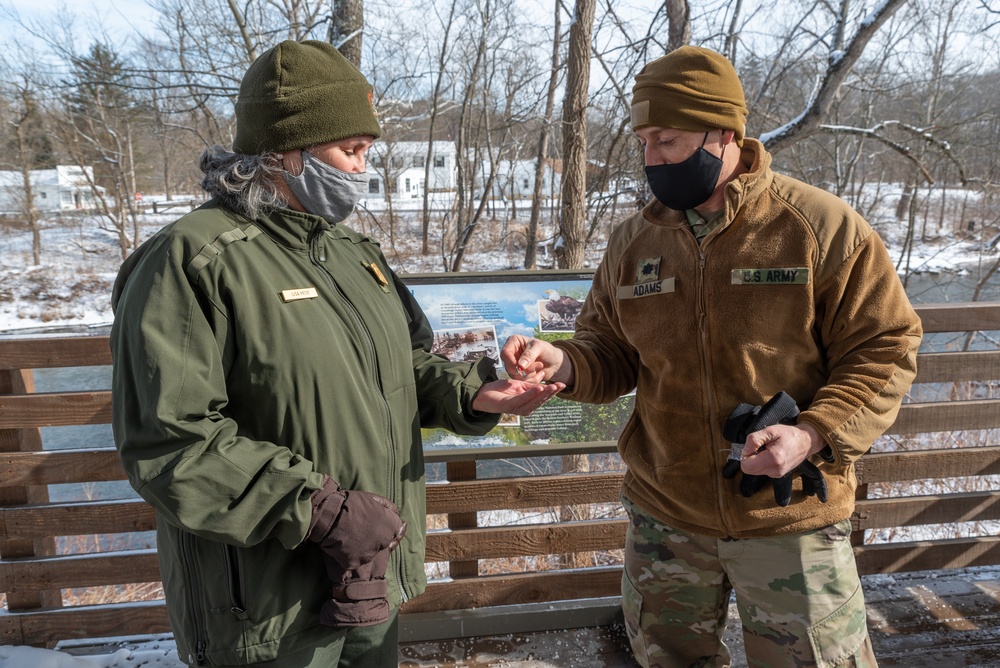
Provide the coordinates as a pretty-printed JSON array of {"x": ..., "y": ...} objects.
[
  {"x": 838, "y": 637},
  {"x": 236, "y": 582},
  {"x": 632, "y": 612},
  {"x": 628, "y": 432}
]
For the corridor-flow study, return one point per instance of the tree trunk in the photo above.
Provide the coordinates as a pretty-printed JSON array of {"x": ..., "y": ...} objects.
[
  {"x": 28, "y": 201},
  {"x": 346, "y": 27},
  {"x": 530, "y": 249},
  {"x": 572, "y": 226},
  {"x": 435, "y": 102},
  {"x": 679, "y": 22}
]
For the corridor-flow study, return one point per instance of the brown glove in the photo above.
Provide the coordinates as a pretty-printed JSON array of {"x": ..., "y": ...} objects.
[
  {"x": 359, "y": 597},
  {"x": 356, "y": 531}
]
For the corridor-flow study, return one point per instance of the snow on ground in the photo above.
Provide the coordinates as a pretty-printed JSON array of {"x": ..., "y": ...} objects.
[
  {"x": 151, "y": 654},
  {"x": 70, "y": 289}
]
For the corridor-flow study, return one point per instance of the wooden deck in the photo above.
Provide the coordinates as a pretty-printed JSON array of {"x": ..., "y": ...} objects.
[{"x": 925, "y": 619}]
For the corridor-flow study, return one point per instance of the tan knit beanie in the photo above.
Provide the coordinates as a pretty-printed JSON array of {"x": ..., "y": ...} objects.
[
  {"x": 690, "y": 88},
  {"x": 300, "y": 94}
]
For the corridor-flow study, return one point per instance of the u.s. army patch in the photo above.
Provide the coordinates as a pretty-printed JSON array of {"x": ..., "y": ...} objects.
[
  {"x": 776, "y": 276},
  {"x": 647, "y": 269}
]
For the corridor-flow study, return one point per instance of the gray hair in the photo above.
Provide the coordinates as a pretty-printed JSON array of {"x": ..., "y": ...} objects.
[{"x": 244, "y": 182}]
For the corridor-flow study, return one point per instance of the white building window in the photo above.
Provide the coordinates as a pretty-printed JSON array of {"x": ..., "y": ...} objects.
[
  {"x": 418, "y": 161},
  {"x": 440, "y": 160},
  {"x": 373, "y": 185}
]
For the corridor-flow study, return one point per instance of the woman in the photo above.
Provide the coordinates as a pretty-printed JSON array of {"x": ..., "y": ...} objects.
[{"x": 271, "y": 376}]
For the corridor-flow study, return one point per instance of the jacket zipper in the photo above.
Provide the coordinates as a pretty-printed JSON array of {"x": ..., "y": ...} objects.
[
  {"x": 234, "y": 577},
  {"x": 317, "y": 255},
  {"x": 707, "y": 370},
  {"x": 194, "y": 578}
]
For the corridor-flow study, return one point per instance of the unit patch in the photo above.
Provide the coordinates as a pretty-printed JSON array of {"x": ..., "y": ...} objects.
[
  {"x": 777, "y": 276},
  {"x": 297, "y": 294},
  {"x": 647, "y": 270}
]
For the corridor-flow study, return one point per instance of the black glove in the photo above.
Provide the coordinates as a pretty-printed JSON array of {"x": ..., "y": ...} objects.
[
  {"x": 357, "y": 531},
  {"x": 746, "y": 419}
]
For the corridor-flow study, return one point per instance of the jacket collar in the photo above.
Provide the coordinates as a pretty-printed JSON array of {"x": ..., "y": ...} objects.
[
  {"x": 294, "y": 229},
  {"x": 738, "y": 191}
]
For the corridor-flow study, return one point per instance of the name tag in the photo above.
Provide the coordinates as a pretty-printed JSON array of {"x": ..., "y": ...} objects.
[
  {"x": 300, "y": 293},
  {"x": 787, "y": 276},
  {"x": 646, "y": 289}
]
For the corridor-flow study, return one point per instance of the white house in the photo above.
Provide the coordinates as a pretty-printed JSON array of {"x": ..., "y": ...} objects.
[
  {"x": 403, "y": 163},
  {"x": 65, "y": 188},
  {"x": 515, "y": 179}
]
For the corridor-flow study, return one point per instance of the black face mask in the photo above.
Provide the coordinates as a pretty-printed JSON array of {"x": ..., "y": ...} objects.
[{"x": 685, "y": 185}]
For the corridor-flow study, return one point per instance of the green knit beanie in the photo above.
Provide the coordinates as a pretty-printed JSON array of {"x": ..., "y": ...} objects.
[
  {"x": 300, "y": 94},
  {"x": 690, "y": 88}
]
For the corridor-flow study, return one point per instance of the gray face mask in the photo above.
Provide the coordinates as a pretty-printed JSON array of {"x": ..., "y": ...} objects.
[{"x": 326, "y": 191}]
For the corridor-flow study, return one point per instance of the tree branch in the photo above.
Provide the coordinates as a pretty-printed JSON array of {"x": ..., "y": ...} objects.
[{"x": 839, "y": 66}]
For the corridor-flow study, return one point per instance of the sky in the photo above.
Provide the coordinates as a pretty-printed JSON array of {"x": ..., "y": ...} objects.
[{"x": 117, "y": 17}]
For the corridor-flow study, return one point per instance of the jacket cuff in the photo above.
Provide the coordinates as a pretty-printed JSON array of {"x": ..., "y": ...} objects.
[
  {"x": 581, "y": 373},
  {"x": 482, "y": 371},
  {"x": 326, "y": 505}
]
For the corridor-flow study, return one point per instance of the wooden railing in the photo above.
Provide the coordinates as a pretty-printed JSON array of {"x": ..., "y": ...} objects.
[{"x": 34, "y": 574}]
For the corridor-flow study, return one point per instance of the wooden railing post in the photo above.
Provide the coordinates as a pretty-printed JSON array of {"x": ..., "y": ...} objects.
[
  {"x": 860, "y": 494},
  {"x": 462, "y": 470},
  {"x": 12, "y": 382}
]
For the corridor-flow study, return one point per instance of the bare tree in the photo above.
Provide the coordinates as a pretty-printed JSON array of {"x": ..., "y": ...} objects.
[
  {"x": 346, "y": 25},
  {"x": 839, "y": 64},
  {"x": 541, "y": 154},
  {"x": 435, "y": 108},
  {"x": 486, "y": 132},
  {"x": 25, "y": 121},
  {"x": 572, "y": 224},
  {"x": 679, "y": 22}
]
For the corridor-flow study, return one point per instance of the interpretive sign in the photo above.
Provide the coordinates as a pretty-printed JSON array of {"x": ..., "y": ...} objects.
[{"x": 474, "y": 314}]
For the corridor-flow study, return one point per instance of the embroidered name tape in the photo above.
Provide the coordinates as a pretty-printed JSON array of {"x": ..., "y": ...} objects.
[
  {"x": 787, "y": 276},
  {"x": 300, "y": 293},
  {"x": 646, "y": 289}
]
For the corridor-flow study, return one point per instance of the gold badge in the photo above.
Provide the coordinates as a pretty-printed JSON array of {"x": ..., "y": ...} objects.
[{"x": 377, "y": 273}]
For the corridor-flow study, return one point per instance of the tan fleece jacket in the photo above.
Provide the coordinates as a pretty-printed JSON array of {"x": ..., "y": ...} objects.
[{"x": 793, "y": 291}]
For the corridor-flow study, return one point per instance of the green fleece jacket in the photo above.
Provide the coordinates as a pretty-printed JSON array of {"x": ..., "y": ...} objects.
[
  {"x": 251, "y": 358},
  {"x": 792, "y": 291}
]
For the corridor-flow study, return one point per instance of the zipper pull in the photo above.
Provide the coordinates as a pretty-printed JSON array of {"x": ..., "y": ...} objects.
[{"x": 199, "y": 656}]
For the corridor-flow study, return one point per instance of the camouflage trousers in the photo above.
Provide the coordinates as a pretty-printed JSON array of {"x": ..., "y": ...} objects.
[{"x": 799, "y": 597}]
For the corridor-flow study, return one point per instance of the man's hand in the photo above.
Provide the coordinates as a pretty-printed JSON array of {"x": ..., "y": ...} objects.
[
  {"x": 534, "y": 361},
  {"x": 514, "y": 397},
  {"x": 779, "y": 449},
  {"x": 770, "y": 448}
]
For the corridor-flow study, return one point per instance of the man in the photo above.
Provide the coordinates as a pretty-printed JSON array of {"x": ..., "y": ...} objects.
[
  {"x": 271, "y": 376},
  {"x": 735, "y": 285}
]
